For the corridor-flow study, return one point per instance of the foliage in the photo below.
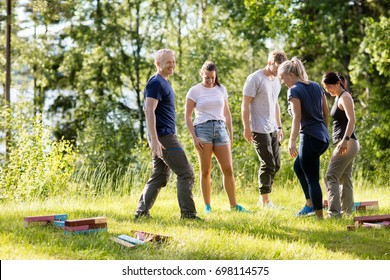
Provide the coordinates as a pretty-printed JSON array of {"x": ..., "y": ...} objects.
[
  {"x": 86, "y": 63},
  {"x": 36, "y": 166},
  {"x": 108, "y": 137}
]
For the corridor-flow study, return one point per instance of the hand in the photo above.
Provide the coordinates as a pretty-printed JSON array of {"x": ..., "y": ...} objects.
[
  {"x": 342, "y": 147},
  {"x": 248, "y": 135},
  {"x": 280, "y": 135},
  {"x": 292, "y": 148},
  {"x": 156, "y": 148},
  {"x": 198, "y": 144}
]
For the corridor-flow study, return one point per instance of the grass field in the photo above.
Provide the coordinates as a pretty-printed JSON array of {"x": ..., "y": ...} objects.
[{"x": 222, "y": 235}]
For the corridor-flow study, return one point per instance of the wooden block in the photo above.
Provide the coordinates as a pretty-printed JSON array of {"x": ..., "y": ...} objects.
[
  {"x": 130, "y": 239},
  {"x": 151, "y": 237},
  {"x": 373, "y": 225},
  {"x": 357, "y": 224},
  {"x": 36, "y": 223},
  {"x": 59, "y": 224},
  {"x": 61, "y": 217},
  {"x": 140, "y": 235},
  {"x": 85, "y": 227},
  {"x": 373, "y": 219},
  {"x": 88, "y": 221},
  {"x": 369, "y": 203},
  {"x": 350, "y": 227},
  {"x": 95, "y": 230},
  {"x": 360, "y": 208},
  {"x": 122, "y": 242},
  {"x": 372, "y": 207}
]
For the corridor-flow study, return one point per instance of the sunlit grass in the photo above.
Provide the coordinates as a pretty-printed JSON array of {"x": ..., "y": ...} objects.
[{"x": 262, "y": 234}]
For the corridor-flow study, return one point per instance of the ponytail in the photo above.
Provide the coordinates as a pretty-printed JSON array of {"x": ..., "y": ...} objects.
[
  {"x": 332, "y": 78},
  {"x": 294, "y": 66}
]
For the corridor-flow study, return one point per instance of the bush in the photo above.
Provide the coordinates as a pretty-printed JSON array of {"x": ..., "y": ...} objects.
[{"x": 37, "y": 166}]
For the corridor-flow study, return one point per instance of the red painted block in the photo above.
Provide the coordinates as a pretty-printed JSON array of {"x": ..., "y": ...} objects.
[
  {"x": 372, "y": 219},
  {"x": 88, "y": 221},
  {"x": 85, "y": 227},
  {"x": 60, "y": 217},
  {"x": 369, "y": 203},
  {"x": 150, "y": 237}
]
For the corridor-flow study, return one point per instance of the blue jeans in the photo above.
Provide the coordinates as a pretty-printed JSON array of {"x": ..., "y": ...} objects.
[{"x": 307, "y": 168}]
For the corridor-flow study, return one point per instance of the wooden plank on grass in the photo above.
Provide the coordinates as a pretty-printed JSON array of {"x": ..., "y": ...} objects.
[
  {"x": 87, "y": 231},
  {"x": 373, "y": 218},
  {"x": 85, "y": 227},
  {"x": 61, "y": 217},
  {"x": 88, "y": 221},
  {"x": 369, "y": 203},
  {"x": 36, "y": 223},
  {"x": 151, "y": 237},
  {"x": 122, "y": 242},
  {"x": 130, "y": 239},
  {"x": 59, "y": 224},
  {"x": 376, "y": 225}
]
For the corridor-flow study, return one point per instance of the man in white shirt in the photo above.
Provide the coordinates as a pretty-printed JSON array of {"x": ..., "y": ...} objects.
[{"x": 260, "y": 113}]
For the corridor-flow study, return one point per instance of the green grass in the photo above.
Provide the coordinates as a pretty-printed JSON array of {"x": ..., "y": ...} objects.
[{"x": 262, "y": 234}]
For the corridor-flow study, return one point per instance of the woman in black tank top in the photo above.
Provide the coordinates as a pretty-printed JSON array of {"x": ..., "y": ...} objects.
[{"x": 338, "y": 178}]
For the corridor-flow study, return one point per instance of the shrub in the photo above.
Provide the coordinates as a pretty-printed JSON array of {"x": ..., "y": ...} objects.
[{"x": 37, "y": 166}]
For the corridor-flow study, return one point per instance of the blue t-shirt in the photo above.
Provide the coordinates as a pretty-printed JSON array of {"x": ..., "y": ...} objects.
[
  {"x": 160, "y": 89},
  {"x": 312, "y": 121}
]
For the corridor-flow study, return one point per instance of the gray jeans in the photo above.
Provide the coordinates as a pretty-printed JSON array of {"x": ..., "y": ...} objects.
[
  {"x": 338, "y": 180},
  {"x": 267, "y": 148},
  {"x": 175, "y": 159}
]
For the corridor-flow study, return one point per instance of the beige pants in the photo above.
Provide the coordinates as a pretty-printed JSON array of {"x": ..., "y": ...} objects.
[{"x": 338, "y": 180}]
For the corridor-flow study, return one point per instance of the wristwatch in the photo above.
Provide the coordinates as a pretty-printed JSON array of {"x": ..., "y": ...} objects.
[{"x": 346, "y": 138}]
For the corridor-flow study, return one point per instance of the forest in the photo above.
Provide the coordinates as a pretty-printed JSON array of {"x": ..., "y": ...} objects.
[{"x": 78, "y": 70}]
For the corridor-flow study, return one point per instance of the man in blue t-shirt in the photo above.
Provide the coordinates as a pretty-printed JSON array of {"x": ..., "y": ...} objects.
[{"x": 167, "y": 151}]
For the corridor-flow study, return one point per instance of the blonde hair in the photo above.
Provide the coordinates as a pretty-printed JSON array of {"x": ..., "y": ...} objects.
[
  {"x": 277, "y": 56},
  {"x": 294, "y": 66},
  {"x": 160, "y": 53}
]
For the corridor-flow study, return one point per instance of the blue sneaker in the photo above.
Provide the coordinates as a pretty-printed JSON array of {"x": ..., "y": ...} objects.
[
  {"x": 305, "y": 211},
  {"x": 239, "y": 208},
  {"x": 207, "y": 209}
]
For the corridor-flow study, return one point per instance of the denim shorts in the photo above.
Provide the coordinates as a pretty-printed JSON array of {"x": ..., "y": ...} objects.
[{"x": 213, "y": 132}]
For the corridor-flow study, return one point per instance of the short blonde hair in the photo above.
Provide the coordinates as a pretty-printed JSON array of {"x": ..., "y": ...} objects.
[{"x": 160, "y": 53}]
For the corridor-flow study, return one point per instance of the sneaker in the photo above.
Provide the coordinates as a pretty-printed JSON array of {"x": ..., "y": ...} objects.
[
  {"x": 207, "y": 209},
  {"x": 333, "y": 215},
  {"x": 239, "y": 208},
  {"x": 145, "y": 215},
  {"x": 186, "y": 216},
  {"x": 272, "y": 206},
  {"x": 306, "y": 211}
]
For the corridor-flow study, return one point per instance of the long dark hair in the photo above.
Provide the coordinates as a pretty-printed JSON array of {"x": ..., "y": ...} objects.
[
  {"x": 209, "y": 66},
  {"x": 332, "y": 78}
]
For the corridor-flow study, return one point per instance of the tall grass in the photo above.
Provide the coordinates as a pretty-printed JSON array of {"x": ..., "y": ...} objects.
[{"x": 262, "y": 234}]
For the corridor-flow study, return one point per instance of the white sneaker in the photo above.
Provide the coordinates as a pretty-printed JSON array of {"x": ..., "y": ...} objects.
[{"x": 272, "y": 206}]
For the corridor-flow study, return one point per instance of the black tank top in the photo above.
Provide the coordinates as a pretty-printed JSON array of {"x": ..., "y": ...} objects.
[{"x": 340, "y": 122}]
